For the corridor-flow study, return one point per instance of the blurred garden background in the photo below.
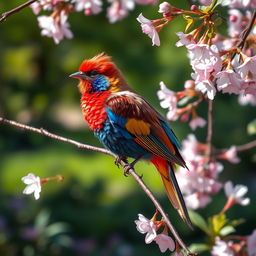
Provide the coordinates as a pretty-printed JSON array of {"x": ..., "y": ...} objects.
[{"x": 92, "y": 211}]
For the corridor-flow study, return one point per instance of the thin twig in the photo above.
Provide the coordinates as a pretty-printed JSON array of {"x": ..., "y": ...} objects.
[
  {"x": 245, "y": 34},
  {"x": 104, "y": 151},
  {"x": 209, "y": 130},
  {"x": 5, "y": 15},
  {"x": 239, "y": 148}
]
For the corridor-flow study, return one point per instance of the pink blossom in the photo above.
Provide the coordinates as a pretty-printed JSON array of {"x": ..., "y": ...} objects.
[
  {"x": 251, "y": 244},
  {"x": 33, "y": 185},
  {"x": 119, "y": 9},
  {"x": 197, "y": 200},
  {"x": 229, "y": 81},
  {"x": 249, "y": 87},
  {"x": 168, "y": 100},
  {"x": 164, "y": 8},
  {"x": 185, "y": 39},
  {"x": 236, "y": 23},
  {"x": 222, "y": 248},
  {"x": 247, "y": 69},
  {"x": 149, "y": 29},
  {"x": 206, "y": 62},
  {"x": 89, "y": 6},
  {"x": 46, "y": 5},
  {"x": 204, "y": 86},
  {"x": 197, "y": 122},
  {"x": 189, "y": 84},
  {"x": 57, "y": 27},
  {"x": 146, "y": 226},
  {"x": 205, "y": 2},
  {"x": 239, "y": 3},
  {"x": 200, "y": 181},
  {"x": 236, "y": 193},
  {"x": 36, "y": 7},
  {"x": 146, "y": 1},
  {"x": 231, "y": 155},
  {"x": 165, "y": 242},
  {"x": 247, "y": 99}
]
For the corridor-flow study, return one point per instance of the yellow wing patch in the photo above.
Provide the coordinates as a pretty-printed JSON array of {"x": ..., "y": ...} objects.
[{"x": 138, "y": 127}]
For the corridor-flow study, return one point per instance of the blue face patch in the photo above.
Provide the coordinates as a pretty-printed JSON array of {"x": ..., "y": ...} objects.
[{"x": 100, "y": 83}]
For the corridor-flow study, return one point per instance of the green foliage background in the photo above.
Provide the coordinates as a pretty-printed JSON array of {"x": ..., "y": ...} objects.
[{"x": 93, "y": 211}]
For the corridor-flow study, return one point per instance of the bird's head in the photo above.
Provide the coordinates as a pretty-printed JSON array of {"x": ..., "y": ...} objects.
[{"x": 99, "y": 74}]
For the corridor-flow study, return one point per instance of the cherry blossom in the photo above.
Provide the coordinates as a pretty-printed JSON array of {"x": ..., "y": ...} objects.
[
  {"x": 185, "y": 39},
  {"x": 197, "y": 200},
  {"x": 236, "y": 193},
  {"x": 56, "y": 27},
  {"x": 149, "y": 29},
  {"x": 201, "y": 181},
  {"x": 251, "y": 244},
  {"x": 239, "y": 3},
  {"x": 247, "y": 99},
  {"x": 206, "y": 62},
  {"x": 33, "y": 185},
  {"x": 236, "y": 23},
  {"x": 168, "y": 100},
  {"x": 222, "y": 248},
  {"x": 46, "y": 5},
  {"x": 119, "y": 9},
  {"x": 164, "y": 8},
  {"x": 146, "y": 226},
  {"x": 89, "y": 6},
  {"x": 146, "y": 1},
  {"x": 247, "y": 69},
  {"x": 165, "y": 242},
  {"x": 197, "y": 122},
  {"x": 228, "y": 81},
  {"x": 230, "y": 155}
]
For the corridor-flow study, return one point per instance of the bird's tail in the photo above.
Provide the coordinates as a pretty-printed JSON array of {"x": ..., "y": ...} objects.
[{"x": 167, "y": 174}]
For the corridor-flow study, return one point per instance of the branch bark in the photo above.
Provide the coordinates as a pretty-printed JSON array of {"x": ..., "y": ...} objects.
[
  {"x": 137, "y": 178},
  {"x": 5, "y": 15}
]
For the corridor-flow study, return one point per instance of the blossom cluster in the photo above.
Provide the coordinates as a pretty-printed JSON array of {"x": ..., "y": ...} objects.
[
  {"x": 56, "y": 25},
  {"x": 179, "y": 106},
  {"x": 150, "y": 227},
  {"x": 212, "y": 55},
  {"x": 201, "y": 181}
]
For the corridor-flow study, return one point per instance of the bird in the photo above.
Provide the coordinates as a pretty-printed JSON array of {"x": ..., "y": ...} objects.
[{"x": 127, "y": 125}]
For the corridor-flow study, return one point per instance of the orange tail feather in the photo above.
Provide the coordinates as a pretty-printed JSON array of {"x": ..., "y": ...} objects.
[{"x": 167, "y": 174}]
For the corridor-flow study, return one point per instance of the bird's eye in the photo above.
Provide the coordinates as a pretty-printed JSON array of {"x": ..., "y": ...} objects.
[{"x": 92, "y": 73}]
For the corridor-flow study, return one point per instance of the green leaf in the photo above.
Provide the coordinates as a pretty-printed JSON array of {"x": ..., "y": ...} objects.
[
  {"x": 198, "y": 248},
  {"x": 237, "y": 222},
  {"x": 190, "y": 22},
  {"x": 227, "y": 230},
  {"x": 42, "y": 219},
  {"x": 211, "y": 32},
  {"x": 56, "y": 228},
  {"x": 198, "y": 221},
  {"x": 251, "y": 127},
  {"x": 218, "y": 222}
]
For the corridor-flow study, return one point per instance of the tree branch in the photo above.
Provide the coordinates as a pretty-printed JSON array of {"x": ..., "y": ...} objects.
[
  {"x": 239, "y": 148},
  {"x": 104, "y": 151},
  {"x": 245, "y": 34},
  {"x": 209, "y": 131},
  {"x": 5, "y": 15}
]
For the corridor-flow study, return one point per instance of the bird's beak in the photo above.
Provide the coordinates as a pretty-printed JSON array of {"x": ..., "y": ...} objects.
[{"x": 79, "y": 75}]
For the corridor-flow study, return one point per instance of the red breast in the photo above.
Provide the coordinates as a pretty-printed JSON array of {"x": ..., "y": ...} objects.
[{"x": 93, "y": 107}]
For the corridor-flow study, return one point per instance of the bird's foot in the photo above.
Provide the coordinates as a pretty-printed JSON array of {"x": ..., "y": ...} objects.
[
  {"x": 119, "y": 159},
  {"x": 127, "y": 169}
]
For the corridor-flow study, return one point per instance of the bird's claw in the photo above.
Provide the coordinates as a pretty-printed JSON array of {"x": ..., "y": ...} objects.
[
  {"x": 127, "y": 169},
  {"x": 119, "y": 159}
]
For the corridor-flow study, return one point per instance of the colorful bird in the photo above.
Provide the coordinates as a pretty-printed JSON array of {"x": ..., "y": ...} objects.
[{"x": 127, "y": 124}]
